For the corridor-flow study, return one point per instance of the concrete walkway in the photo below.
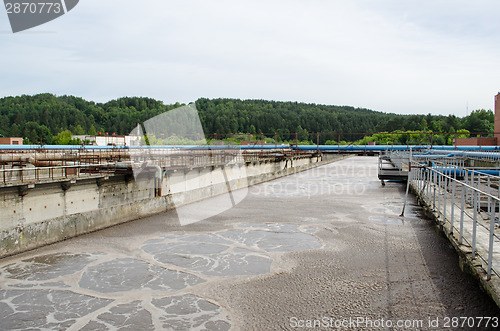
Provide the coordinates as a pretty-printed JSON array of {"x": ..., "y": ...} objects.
[{"x": 321, "y": 248}]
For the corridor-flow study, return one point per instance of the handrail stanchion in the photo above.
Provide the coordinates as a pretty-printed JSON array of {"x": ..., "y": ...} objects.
[
  {"x": 434, "y": 180},
  {"x": 439, "y": 193},
  {"x": 489, "y": 192},
  {"x": 467, "y": 181},
  {"x": 492, "y": 235},
  {"x": 474, "y": 223},
  {"x": 462, "y": 212},
  {"x": 429, "y": 180},
  {"x": 444, "y": 198},
  {"x": 452, "y": 217}
]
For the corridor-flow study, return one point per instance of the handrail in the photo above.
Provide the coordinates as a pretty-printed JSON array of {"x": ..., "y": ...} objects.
[
  {"x": 429, "y": 180},
  {"x": 464, "y": 184}
]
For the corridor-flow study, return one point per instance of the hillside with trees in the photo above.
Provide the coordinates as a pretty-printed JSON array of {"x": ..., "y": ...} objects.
[{"x": 49, "y": 119}]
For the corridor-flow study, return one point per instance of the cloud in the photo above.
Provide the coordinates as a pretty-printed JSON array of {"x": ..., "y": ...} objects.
[{"x": 388, "y": 55}]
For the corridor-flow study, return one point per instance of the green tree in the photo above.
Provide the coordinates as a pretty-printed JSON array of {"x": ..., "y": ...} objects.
[
  {"x": 63, "y": 138},
  {"x": 79, "y": 130},
  {"x": 92, "y": 131}
]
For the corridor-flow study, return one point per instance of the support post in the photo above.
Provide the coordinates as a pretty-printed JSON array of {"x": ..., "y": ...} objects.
[
  {"x": 462, "y": 212},
  {"x": 474, "y": 224},
  {"x": 317, "y": 142},
  {"x": 492, "y": 235},
  {"x": 453, "y": 190}
]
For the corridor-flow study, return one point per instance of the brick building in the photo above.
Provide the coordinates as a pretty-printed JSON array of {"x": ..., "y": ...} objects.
[
  {"x": 485, "y": 141},
  {"x": 11, "y": 141},
  {"x": 497, "y": 119}
]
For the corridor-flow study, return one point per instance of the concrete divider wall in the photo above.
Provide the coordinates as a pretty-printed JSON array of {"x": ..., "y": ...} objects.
[{"x": 52, "y": 212}]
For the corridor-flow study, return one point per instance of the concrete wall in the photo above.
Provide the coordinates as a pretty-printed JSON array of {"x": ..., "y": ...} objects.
[{"x": 52, "y": 212}]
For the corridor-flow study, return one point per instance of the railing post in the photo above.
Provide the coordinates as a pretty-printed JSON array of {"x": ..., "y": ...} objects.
[
  {"x": 338, "y": 142},
  {"x": 489, "y": 192},
  {"x": 467, "y": 181},
  {"x": 439, "y": 193},
  {"x": 469, "y": 191},
  {"x": 429, "y": 180},
  {"x": 462, "y": 212},
  {"x": 474, "y": 224},
  {"x": 317, "y": 142},
  {"x": 417, "y": 179},
  {"x": 492, "y": 235},
  {"x": 421, "y": 177},
  {"x": 445, "y": 196},
  {"x": 453, "y": 190},
  {"x": 434, "y": 182}
]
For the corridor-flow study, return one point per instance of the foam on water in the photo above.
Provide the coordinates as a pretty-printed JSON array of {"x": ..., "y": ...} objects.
[{"x": 103, "y": 291}]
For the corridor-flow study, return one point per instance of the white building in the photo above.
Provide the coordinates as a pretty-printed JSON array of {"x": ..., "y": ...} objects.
[{"x": 109, "y": 140}]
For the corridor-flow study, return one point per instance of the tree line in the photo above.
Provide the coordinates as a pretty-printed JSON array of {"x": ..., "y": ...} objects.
[{"x": 50, "y": 119}]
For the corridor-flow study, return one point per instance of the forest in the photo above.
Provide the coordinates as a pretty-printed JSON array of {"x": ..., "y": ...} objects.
[{"x": 50, "y": 119}]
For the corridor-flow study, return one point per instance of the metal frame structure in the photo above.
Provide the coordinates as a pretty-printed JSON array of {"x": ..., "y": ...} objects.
[{"x": 44, "y": 166}]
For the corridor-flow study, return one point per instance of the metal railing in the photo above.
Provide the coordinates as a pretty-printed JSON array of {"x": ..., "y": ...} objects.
[
  {"x": 467, "y": 208},
  {"x": 26, "y": 170},
  {"x": 29, "y": 175}
]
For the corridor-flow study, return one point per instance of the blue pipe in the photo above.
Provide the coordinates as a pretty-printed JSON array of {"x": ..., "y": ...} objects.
[
  {"x": 361, "y": 148},
  {"x": 486, "y": 172},
  {"x": 430, "y": 156},
  {"x": 179, "y": 147},
  {"x": 477, "y": 151},
  {"x": 451, "y": 171}
]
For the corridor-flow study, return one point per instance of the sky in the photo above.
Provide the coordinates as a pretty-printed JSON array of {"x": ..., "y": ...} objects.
[{"x": 396, "y": 56}]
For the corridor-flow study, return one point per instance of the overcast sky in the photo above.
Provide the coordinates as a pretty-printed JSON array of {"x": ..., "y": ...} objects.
[{"x": 400, "y": 56}]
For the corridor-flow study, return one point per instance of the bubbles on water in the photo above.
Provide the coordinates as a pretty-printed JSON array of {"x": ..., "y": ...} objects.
[
  {"x": 63, "y": 290},
  {"x": 242, "y": 251},
  {"x": 179, "y": 311},
  {"x": 47, "y": 267},
  {"x": 49, "y": 309},
  {"x": 129, "y": 274},
  {"x": 128, "y": 316}
]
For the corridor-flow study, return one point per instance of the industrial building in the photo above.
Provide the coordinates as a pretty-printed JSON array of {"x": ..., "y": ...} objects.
[{"x": 11, "y": 141}]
